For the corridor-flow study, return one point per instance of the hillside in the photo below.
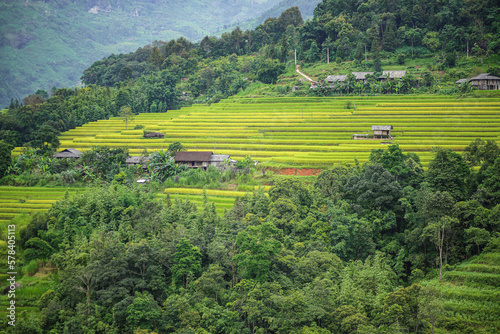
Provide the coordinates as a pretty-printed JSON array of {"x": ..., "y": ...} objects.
[
  {"x": 49, "y": 43},
  {"x": 469, "y": 294}
]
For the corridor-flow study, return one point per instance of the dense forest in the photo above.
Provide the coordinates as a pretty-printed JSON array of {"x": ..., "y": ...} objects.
[{"x": 345, "y": 254}]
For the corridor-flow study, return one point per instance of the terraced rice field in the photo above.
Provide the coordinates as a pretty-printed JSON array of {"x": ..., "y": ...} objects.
[
  {"x": 15, "y": 201},
  {"x": 470, "y": 295},
  {"x": 223, "y": 199},
  {"x": 303, "y": 131}
]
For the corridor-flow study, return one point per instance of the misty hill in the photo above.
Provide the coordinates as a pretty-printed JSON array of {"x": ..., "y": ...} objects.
[{"x": 49, "y": 43}]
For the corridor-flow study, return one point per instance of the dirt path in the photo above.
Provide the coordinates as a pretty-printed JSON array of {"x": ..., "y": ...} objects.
[{"x": 304, "y": 75}]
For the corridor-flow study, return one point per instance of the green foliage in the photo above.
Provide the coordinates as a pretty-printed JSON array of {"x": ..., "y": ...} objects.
[
  {"x": 258, "y": 247},
  {"x": 126, "y": 115},
  {"x": 187, "y": 263},
  {"x": 143, "y": 313},
  {"x": 161, "y": 165},
  {"x": 102, "y": 162},
  {"x": 174, "y": 148},
  {"x": 45, "y": 140},
  {"x": 5, "y": 157},
  {"x": 269, "y": 70},
  {"x": 448, "y": 172}
]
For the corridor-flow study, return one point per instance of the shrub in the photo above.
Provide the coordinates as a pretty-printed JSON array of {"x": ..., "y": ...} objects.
[{"x": 401, "y": 58}]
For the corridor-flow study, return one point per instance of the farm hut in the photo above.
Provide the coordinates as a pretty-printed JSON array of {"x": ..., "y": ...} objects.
[
  {"x": 68, "y": 153},
  {"x": 154, "y": 135},
  {"x": 381, "y": 131},
  {"x": 137, "y": 160},
  {"x": 194, "y": 159},
  {"x": 391, "y": 75},
  {"x": 332, "y": 79},
  {"x": 361, "y": 76},
  {"x": 485, "y": 81},
  {"x": 360, "y": 136}
]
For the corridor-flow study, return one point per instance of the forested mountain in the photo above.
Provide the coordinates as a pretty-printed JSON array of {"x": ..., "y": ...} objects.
[
  {"x": 49, "y": 43},
  {"x": 372, "y": 247}
]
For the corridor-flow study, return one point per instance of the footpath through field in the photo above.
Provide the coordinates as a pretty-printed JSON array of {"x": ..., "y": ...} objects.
[{"x": 297, "y": 69}]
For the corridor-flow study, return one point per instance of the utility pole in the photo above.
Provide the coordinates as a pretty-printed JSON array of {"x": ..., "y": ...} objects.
[
  {"x": 467, "y": 49},
  {"x": 328, "y": 55},
  {"x": 365, "y": 52},
  {"x": 295, "y": 57}
]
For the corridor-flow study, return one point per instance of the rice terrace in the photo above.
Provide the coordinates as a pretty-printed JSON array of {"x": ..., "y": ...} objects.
[{"x": 303, "y": 132}]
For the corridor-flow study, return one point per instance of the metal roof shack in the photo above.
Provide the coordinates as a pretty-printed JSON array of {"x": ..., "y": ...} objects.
[
  {"x": 216, "y": 158},
  {"x": 485, "y": 81},
  {"x": 381, "y": 131},
  {"x": 68, "y": 153},
  {"x": 194, "y": 159},
  {"x": 392, "y": 75}
]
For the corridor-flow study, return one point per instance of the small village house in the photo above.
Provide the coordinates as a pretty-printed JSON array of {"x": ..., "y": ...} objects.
[
  {"x": 221, "y": 160},
  {"x": 137, "y": 160},
  {"x": 461, "y": 82},
  {"x": 360, "y": 136},
  {"x": 154, "y": 135}
]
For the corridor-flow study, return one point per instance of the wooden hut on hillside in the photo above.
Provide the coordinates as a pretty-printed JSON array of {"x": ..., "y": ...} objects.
[
  {"x": 137, "y": 160},
  {"x": 154, "y": 135},
  {"x": 194, "y": 159},
  {"x": 381, "y": 131}
]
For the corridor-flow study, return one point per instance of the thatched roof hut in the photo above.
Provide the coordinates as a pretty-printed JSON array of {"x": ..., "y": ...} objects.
[{"x": 68, "y": 153}]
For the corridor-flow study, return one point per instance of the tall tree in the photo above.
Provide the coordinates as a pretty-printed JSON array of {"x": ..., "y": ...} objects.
[{"x": 187, "y": 263}]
